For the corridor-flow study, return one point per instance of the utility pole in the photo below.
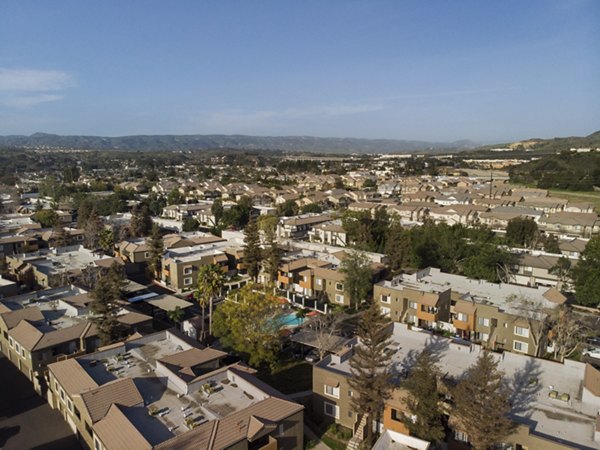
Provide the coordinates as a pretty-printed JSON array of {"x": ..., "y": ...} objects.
[{"x": 491, "y": 178}]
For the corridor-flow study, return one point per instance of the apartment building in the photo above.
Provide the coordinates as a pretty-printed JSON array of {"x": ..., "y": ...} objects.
[
  {"x": 180, "y": 266},
  {"x": 408, "y": 299},
  {"x": 298, "y": 227},
  {"x": 570, "y": 223},
  {"x": 555, "y": 409},
  {"x": 41, "y": 327},
  {"x": 12, "y": 245},
  {"x": 163, "y": 391},
  {"x": 537, "y": 270},
  {"x": 329, "y": 233},
  {"x": 500, "y": 316},
  {"x": 53, "y": 267}
]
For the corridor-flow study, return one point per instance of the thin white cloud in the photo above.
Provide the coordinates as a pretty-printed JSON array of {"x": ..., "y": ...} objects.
[
  {"x": 236, "y": 118},
  {"x": 33, "y": 80},
  {"x": 17, "y": 101}
]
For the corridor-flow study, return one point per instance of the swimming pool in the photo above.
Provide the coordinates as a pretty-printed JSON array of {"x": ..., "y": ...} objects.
[{"x": 290, "y": 320}]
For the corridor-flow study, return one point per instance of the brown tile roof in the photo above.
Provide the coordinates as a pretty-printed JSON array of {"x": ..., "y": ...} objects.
[
  {"x": 193, "y": 357},
  {"x": 55, "y": 337},
  {"x": 26, "y": 334},
  {"x": 71, "y": 376},
  {"x": 121, "y": 392},
  {"x": 197, "y": 439},
  {"x": 234, "y": 428},
  {"x": 132, "y": 318},
  {"x": 117, "y": 433},
  {"x": 12, "y": 318},
  {"x": 79, "y": 301},
  {"x": 555, "y": 296}
]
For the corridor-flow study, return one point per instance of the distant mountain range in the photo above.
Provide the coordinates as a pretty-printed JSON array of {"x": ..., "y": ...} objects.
[
  {"x": 542, "y": 146},
  {"x": 216, "y": 141}
]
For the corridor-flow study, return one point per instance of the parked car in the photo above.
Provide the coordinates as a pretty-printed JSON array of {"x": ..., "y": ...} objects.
[
  {"x": 592, "y": 353},
  {"x": 312, "y": 357}
]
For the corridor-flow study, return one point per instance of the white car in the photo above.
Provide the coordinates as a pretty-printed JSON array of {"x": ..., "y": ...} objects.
[{"x": 592, "y": 353}]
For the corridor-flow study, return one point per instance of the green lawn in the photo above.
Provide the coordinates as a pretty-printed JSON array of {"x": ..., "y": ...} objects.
[
  {"x": 292, "y": 377},
  {"x": 592, "y": 197}
]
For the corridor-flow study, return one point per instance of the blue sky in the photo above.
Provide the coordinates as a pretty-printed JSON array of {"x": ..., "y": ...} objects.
[{"x": 429, "y": 70}]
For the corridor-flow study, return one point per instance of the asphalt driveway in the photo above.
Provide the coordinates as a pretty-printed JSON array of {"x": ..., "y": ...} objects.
[{"x": 26, "y": 419}]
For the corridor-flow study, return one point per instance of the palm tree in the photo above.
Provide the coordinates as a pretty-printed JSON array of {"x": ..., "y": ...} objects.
[{"x": 210, "y": 283}]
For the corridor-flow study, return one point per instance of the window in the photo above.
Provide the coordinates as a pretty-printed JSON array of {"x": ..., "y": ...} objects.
[
  {"x": 331, "y": 410},
  {"x": 187, "y": 270},
  {"x": 386, "y": 298},
  {"x": 62, "y": 395},
  {"x": 412, "y": 305},
  {"x": 77, "y": 413},
  {"x": 350, "y": 414},
  {"x": 460, "y": 436},
  {"x": 385, "y": 311},
  {"x": 69, "y": 405},
  {"x": 485, "y": 337},
  {"x": 396, "y": 415},
  {"x": 332, "y": 391},
  {"x": 146, "y": 254},
  {"x": 462, "y": 317},
  {"x": 339, "y": 286},
  {"x": 11, "y": 342},
  {"x": 23, "y": 352},
  {"x": 339, "y": 298},
  {"x": 319, "y": 282},
  {"x": 350, "y": 394},
  {"x": 520, "y": 346},
  {"x": 521, "y": 331},
  {"x": 484, "y": 321},
  {"x": 5, "y": 334},
  {"x": 17, "y": 347},
  {"x": 411, "y": 318},
  {"x": 187, "y": 281},
  {"x": 88, "y": 429},
  {"x": 97, "y": 445}
]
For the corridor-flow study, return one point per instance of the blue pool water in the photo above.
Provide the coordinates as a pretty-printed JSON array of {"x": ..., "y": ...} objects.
[{"x": 290, "y": 320}]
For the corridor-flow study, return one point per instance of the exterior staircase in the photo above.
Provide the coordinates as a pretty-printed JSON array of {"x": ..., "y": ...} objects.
[{"x": 359, "y": 434}]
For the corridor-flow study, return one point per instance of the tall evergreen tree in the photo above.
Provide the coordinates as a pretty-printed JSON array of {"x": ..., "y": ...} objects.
[
  {"x": 141, "y": 221},
  {"x": 370, "y": 378},
  {"x": 357, "y": 277},
  {"x": 252, "y": 250},
  {"x": 272, "y": 253},
  {"x": 482, "y": 403},
  {"x": 585, "y": 275},
  {"x": 156, "y": 250},
  {"x": 105, "y": 305},
  {"x": 423, "y": 401}
]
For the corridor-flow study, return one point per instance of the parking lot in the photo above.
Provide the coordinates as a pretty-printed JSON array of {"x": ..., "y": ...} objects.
[{"x": 26, "y": 419}]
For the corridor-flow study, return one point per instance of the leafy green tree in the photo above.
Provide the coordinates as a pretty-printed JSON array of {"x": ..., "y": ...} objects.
[
  {"x": 551, "y": 244},
  {"x": 71, "y": 174},
  {"x": 249, "y": 322},
  {"x": 482, "y": 403},
  {"x": 424, "y": 419},
  {"x": 252, "y": 252},
  {"x": 156, "y": 248},
  {"x": 356, "y": 268},
  {"x": 370, "y": 380},
  {"x": 522, "y": 232},
  {"x": 105, "y": 305},
  {"x": 176, "y": 315},
  {"x": 210, "y": 285},
  {"x": 585, "y": 275},
  {"x": 287, "y": 208},
  {"x": 175, "y": 197},
  {"x": 312, "y": 208},
  {"x": 190, "y": 224},
  {"x": 47, "y": 218},
  {"x": 106, "y": 240},
  {"x": 489, "y": 263}
]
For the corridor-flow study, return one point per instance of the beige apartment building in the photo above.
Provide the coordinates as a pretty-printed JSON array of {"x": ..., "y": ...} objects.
[
  {"x": 498, "y": 316},
  {"x": 163, "y": 391},
  {"x": 558, "y": 410}
]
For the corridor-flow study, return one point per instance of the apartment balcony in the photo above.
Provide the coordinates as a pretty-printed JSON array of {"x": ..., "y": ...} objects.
[
  {"x": 427, "y": 316},
  {"x": 462, "y": 325},
  {"x": 284, "y": 279}
]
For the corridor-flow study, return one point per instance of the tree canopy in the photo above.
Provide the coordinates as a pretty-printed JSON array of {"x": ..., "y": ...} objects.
[
  {"x": 586, "y": 276},
  {"x": 249, "y": 322}
]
